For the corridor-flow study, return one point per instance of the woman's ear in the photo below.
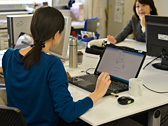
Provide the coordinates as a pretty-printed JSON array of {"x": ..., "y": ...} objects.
[{"x": 56, "y": 34}]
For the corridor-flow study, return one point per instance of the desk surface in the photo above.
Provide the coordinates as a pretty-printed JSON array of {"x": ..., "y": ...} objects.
[
  {"x": 77, "y": 24},
  {"x": 107, "y": 108}
]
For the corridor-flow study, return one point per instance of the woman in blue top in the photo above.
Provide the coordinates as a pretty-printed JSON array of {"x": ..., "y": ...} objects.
[
  {"x": 37, "y": 83},
  {"x": 137, "y": 22}
]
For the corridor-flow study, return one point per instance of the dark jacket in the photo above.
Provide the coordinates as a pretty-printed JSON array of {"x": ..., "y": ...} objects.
[{"x": 132, "y": 26}]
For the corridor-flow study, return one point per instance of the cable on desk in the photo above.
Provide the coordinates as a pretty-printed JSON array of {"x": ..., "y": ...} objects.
[
  {"x": 87, "y": 70},
  {"x": 152, "y": 61},
  {"x": 165, "y": 118},
  {"x": 153, "y": 90}
]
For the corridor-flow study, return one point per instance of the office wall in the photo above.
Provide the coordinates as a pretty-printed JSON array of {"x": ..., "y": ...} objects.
[
  {"x": 117, "y": 19},
  {"x": 89, "y": 13},
  {"x": 115, "y": 27},
  {"x": 162, "y": 7},
  {"x": 101, "y": 29}
]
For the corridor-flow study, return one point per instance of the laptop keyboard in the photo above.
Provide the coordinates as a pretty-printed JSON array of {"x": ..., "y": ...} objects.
[
  {"x": 91, "y": 78},
  {"x": 114, "y": 86}
]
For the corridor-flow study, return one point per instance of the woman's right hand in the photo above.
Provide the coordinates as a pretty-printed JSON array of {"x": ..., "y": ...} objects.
[
  {"x": 111, "y": 39},
  {"x": 102, "y": 85}
]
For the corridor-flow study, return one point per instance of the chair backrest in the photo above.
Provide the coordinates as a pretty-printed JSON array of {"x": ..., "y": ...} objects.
[
  {"x": 91, "y": 24},
  {"x": 10, "y": 116}
]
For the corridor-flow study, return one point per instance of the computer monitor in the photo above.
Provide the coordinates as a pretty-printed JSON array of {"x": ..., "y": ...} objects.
[
  {"x": 157, "y": 39},
  {"x": 18, "y": 24},
  {"x": 59, "y": 3},
  {"x": 61, "y": 50}
]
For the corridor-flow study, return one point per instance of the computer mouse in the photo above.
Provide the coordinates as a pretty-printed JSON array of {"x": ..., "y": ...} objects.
[{"x": 125, "y": 100}]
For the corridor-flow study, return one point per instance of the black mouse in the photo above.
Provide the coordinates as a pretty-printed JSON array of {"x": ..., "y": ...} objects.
[{"x": 125, "y": 100}]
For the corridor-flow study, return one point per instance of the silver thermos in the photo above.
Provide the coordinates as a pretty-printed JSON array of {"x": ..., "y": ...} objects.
[{"x": 73, "y": 55}]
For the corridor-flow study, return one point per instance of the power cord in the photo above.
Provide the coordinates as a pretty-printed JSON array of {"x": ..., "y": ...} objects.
[
  {"x": 87, "y": 70},
  {"x": 165, "y": 118},
  {"x": 152, "y": 61},
  {"x": 154, "y": 90}
]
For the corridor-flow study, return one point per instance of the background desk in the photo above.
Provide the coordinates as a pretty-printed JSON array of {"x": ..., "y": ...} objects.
[
  {"x": 78, "y": 26},
  {"x": 107, "y": 108}
]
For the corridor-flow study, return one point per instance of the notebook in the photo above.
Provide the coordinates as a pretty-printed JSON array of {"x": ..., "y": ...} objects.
[{"x": 122, "y": 63}]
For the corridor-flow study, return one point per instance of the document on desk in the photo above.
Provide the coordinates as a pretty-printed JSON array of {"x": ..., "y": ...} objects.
[{"x": 90, "y": 60}]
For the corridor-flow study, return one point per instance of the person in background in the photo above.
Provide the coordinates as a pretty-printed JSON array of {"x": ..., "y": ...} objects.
[
  {"x": 37, "y": 83},
  {"x": 137, "y": 21}
]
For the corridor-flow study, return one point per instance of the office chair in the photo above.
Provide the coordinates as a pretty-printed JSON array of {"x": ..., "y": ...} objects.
[
  {"x": 91, "y": 25},
  {"x": 10, "y": 116}
]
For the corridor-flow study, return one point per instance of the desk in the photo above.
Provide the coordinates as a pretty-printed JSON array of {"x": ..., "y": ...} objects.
[
  {"x": 78, "y": 26},
  {"x": 107, "y": 108}
]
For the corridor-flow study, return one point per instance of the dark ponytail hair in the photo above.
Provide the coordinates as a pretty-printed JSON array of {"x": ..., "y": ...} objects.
[
  {"x": 46, "y": 21},
  {"x": 148, "y": 2}
]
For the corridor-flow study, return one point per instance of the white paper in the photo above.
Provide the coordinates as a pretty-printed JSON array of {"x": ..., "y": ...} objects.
[
  {"x": 119, "y": 2},
  {"x": 90, "y": 61},
  {"x": 118, "y": 13}
]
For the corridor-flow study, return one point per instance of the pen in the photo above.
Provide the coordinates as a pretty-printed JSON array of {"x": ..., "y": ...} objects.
[{"x": 113, "y": 94}]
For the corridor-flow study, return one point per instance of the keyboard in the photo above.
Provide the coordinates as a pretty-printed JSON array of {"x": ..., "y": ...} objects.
[
  {"x": 113, "y": 86},
  {"x": 91, "y": 78},
  {"x": 88, "y": 82}
]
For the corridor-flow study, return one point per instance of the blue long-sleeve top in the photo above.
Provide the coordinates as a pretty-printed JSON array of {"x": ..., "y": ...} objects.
[{"x": 42, "y": 92}]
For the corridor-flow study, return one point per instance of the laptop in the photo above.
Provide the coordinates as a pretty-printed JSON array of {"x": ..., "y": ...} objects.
[{"x": 121, "y": 63}]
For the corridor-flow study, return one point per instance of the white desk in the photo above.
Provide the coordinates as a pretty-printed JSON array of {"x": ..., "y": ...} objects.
[
  {"x": 77, "y": 24},
  {"x": 107, "y": 108}
]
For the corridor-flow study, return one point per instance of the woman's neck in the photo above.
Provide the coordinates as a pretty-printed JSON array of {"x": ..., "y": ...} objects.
[
  {"x": 47, "y": 46},
  {"x": 24, "y": 51}
]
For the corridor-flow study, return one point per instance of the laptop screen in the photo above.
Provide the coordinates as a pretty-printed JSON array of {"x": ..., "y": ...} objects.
[{"x": 121, "y": 63}]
